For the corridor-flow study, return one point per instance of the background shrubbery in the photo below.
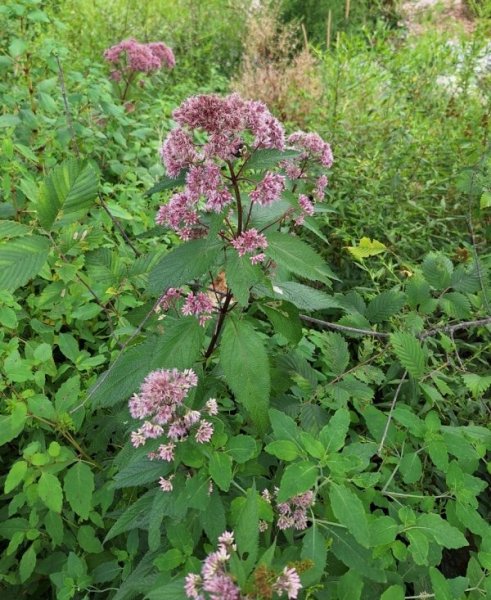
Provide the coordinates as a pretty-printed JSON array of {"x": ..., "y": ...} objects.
[{"x": 400, "y": 408}]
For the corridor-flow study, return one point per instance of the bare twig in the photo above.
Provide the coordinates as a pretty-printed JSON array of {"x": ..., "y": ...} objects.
[
  {"x": 119, "y": 227},
  {"x": 389, "y": 418},
  {"x": 381, "y": 334}
]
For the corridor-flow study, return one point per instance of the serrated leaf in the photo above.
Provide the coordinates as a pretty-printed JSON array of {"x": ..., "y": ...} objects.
[
  {"x": 297, "y": 257},
  {"x": 135, "y": 516},
  {"x": 384, "y": 306},
  {"x": 314, "y": 549},
  {"x": 168, "y": 183},
  {"x": 12, "y": 229},
  {"x": 335, "y": 352},
  {"x": 247, "y": 528},
  {"x": 366, "y": 248},
  {"x": 476, "y": 384},
  {"x": 440, "y": 585},
  {"x": 246, "y": 367},
  {"x": 241, "y": 448},
  {"x": 410, "y": 353},
  {"x": 297, "y": 479},
  {"x": 241, "y": 276},
  {"x": 349, "y": 511},
  {"x": 50, "y": 492},
  {"x": 437, "y": 270},
  {"x": 444, "y": 534},
  {"x": 27, "y": 564},
  {"x": 15, "y": 476},
  {"x": 265, "y": 158},
  {"x": 285, "y": 320},
  {"x": 79, "y": 487},
  {"x": 67, "y": 193},
  {"x": 356, "y": 557},
  {"x": 418, "y": 546},
  {"x": 456, "y": 305},
  {"x": 283, "y": 449},
  {"x": 220, "y": 467},
  {"x": 304, "y": 297},
  {"x": 183, "y": 264},
  {"x": 21, "y": 260},
  {"x": 332, "y": 436}
]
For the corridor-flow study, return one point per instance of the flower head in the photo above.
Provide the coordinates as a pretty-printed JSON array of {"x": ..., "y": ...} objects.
[
  {"x": 269, "y": 189},
  {"x": 249, "y": 242},
  {"x": 289, "y": 583}
]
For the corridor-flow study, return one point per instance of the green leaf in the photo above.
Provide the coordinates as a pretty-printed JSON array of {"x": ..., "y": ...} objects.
[
  {"x": 50, "y": 492},
  {"x": 169, "y": 560},
  {"x": 168, "y": 183},
  {"x": 284, "y": 318},
  {"x": 220, "y": 467},
  {"x": 183, "y": 264},
  {"x": 247, "y": 528},
  {"x": 333, "y": 434},
  {"x": 68, "y": 346},
  {"x": 178, "y": 347},
  {"x": 314, "y": 548},
  {"x": 79, "y": 487},
  {"x": 411, "y": 467},
  {"x": 241, "y": 448},
  {"x": 15, "y": 476},
  {"x": 485, "y": 201},
  {"x": 54, "y": 526},
  {"x": 20, "y": 260},
  {"x": 27, "y": 564},
  {"x": 349, "y": 511},
  {"x": 12, "y": 425},
  {"x": 12, "y": 229},
  {"x": 445, "y": 535},
  {"x": 297, "y": 257},
  {"x": 265, "y": 158},
  {"x": 245, "y": 364},
  {"x": 88, "y": 541},
  {"x": 67, "y": 193},
  {"x": 357, "y": 558},
  {"x": 297, "y": 479},
  {"x": 135, "y": 516},
  {"x": 437, "y": 270},
  {"x": 418, "y": 546},
  {"x": 456, "y": 305},
  {"x": 170, "y": 591},
  {"x": 241, "y": 276},
  {"x": 410, "y": 353},
  {"x": 304, "y": 297},
  {"x": 283, "y": 449},
  {"x": 284, "y": 427},
  {"x": 335, "y": 352},
  {"x": 440, "y": 585},
  {"x": 476, "y": 384},
  {"x": 350, "y": 586},
  {"x": 383, "y": 530},
  {"x": 395, "y": 592},
  {"x": 384, "y": 306},
  {"x": 366, "y": 248}
]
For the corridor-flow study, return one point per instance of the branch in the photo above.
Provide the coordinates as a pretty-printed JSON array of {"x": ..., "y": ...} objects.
[
  {"x": 389, "y": 418},
  {"x": 380, "y": 334}
]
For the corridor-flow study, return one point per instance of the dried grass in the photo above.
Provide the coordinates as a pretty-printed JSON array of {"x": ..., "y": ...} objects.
[{"x": 277, "y": 68}]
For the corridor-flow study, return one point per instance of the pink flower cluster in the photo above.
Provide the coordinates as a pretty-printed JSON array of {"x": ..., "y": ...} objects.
[
  {"x": 313, "y": 146},
  {"x": 269, "y": 189},
  {"x": 130, "y": 55},
  {"x": 249, "y": 242},
  {"x": 293, "y": 512},
  {"x": 216, "y": 583},
  {"x": 199, "y": 304},
  {"x": 226, "y": 123},
  {"x": 306, "y": 207},
  {"x": 160, "y": 404}
]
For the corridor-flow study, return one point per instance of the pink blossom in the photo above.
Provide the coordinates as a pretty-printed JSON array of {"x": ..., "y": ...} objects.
[
  {"x": 211, "y": 406},
  {"x": 222, "y": 587},
  {"x": 202, "y": 180},
  {"x": 166, "y": 484},
  {"x": 193, "y": 583},
  {"x": 199, "y": 305},
  {"x": 212, "y": 113},
  {"x": 320, "y": 186},
  {"x": 268, "y": 131},
  {"x": 314, "y": 146},
  {"x": 204, "y": 433},
  {"x": 178, "y": 152},
  {"x": 179, "y": 214},
  {"x": 217, "y": 200},
  {"x": 227, "y": 540},
  {"x": 288, "y": 582},
  {"x": 269, "y": 189},
  {"x": 166, "y": 452},
  {"x": 177, "y": 431},
  {"x": 307, "y": 208},
  {"x": 141, "y": 57},
  {"x": 169, "y": 298},
  {"x": 191, "y": 418},
  {"x": 249, "y": 242}
]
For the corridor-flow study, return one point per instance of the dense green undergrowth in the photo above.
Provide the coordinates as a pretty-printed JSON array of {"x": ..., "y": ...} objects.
[{"x": 367, "y": 382}]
